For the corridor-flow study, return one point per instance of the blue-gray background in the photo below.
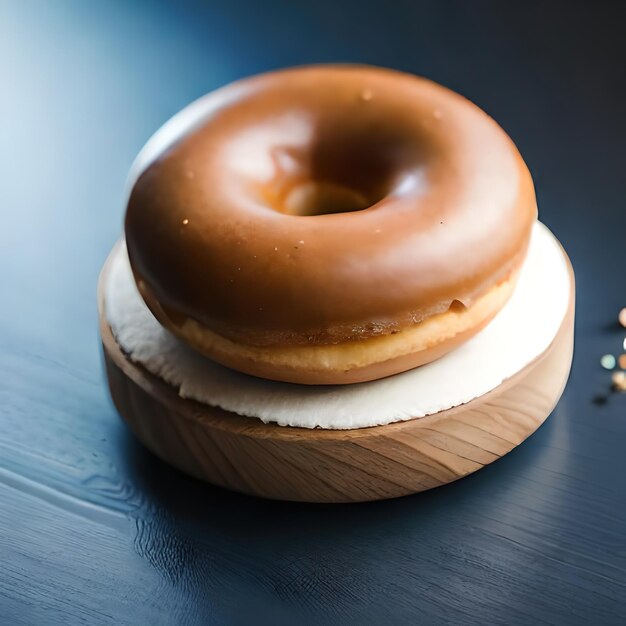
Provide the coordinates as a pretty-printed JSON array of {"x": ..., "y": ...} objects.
[{"x": 95, "y": 530}]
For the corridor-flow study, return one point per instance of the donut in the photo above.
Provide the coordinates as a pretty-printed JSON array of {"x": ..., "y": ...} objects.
[{"x": 328, "y": 224}]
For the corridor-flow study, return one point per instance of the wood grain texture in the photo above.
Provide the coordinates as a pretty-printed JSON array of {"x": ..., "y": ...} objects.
[{"x": 316, "y": 465}]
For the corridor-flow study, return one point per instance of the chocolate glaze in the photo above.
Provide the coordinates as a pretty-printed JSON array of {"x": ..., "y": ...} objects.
[{"x": 218, "y": 230}]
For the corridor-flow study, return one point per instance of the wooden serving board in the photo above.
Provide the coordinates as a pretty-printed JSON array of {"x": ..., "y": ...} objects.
[{"x": 316, "y": 465}]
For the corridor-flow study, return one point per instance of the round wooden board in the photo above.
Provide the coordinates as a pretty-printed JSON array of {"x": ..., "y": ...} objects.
[{"x": 316, "y": 465}]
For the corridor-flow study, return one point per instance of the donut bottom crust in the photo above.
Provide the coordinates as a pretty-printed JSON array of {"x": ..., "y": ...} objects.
[{"x": 351, "y": 361}]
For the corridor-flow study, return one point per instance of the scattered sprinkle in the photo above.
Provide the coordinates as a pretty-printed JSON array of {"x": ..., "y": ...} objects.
[
  {"x": 608, "y": 362},
  {"x": 377, "y": 230},
  {"x": 275, "y": 248},
  {"x": 301, "y": 241},
  {"x": 367, "y": 95},
  {"x": 185, "y": 222}
]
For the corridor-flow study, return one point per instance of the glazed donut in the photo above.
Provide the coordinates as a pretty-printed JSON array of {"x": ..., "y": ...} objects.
[{"x": 328, "y": 224}]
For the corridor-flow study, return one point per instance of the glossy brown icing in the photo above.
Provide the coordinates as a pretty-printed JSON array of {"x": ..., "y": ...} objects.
[{"x": 424, "y": 202}]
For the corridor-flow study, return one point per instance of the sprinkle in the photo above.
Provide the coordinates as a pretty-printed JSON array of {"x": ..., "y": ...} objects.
[
  {"x": 622, "y": 317},
  {"x": 437, "y": 114},
  {"x": 622, "y": 361},
  {"x": 239, "y": 269},
  {"x": 276, "y": 249},
  {"x": 185, "y": 222},
  {"x": 619, "y": 381},
  {"x": 608, "y": 362},
  {"x": 366, "y": 95},
  {"x": 301, "y": 241}
]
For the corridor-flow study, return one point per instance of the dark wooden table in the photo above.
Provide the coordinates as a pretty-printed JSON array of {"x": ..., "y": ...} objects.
[{"x": 95, "y": 530}]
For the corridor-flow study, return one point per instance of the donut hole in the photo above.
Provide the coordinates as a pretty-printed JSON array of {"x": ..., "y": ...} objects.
[
  {"x": 323, "y": 198},
  {"x": 337, "y": 162},
  {"x": 332, "y": 177},
  {"x": 346, "y": 169}
]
